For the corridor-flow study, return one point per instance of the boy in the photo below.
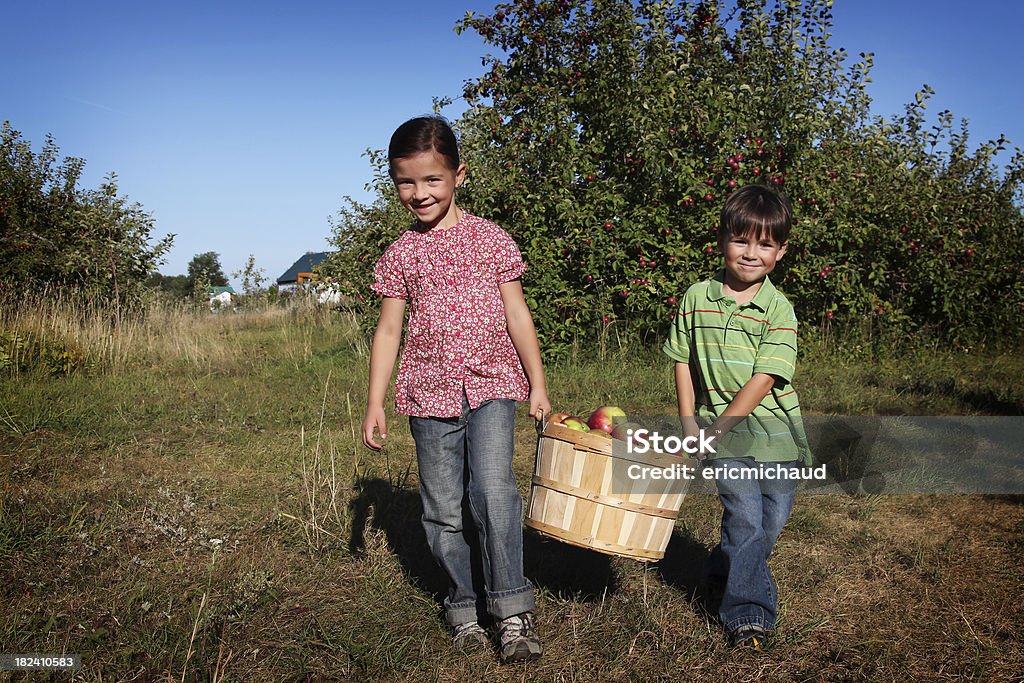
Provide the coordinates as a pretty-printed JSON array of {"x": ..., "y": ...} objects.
[{"x": 734, "y": 343}]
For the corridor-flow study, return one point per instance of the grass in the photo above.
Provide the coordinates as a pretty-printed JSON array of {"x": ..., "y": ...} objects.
[{"x": 192, "y": 504}]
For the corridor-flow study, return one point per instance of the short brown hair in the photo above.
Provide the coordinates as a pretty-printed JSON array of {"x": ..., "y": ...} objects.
[{"x": 756, "y": 209}]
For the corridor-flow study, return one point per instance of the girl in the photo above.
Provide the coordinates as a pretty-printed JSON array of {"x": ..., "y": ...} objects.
[{"x": 470, "y": 353}]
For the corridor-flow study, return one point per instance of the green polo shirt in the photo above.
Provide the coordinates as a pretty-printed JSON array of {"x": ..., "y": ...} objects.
[{"x": 728, "y": 344}]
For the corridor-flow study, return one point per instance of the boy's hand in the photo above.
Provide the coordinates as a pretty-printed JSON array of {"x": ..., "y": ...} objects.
[
  {"x": 716, "y": 436},
  {"x": 539, "y": 404},
  {"x": 691, "y": 428},
  {"x": 374, "y": 419}
]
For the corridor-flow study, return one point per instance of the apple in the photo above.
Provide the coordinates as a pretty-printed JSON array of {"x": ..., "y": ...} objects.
[
  {"x": 557, "y": 418},
  {"x": 621, "y": 429},
  {"x": 575, "y": 423},
  {"x": 605, "y": 417}
]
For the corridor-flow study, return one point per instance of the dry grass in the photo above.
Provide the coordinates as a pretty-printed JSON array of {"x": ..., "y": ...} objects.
[
  {"x": 197, "y": 507},
  {"x": 165, "y": 332}
]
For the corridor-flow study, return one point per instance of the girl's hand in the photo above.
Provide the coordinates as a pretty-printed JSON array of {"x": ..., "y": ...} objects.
[
  {"x": 374, "y": 419},
  {"x": 539, "y": 404}
]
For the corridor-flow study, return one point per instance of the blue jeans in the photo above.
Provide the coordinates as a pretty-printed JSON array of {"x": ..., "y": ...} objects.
[
  {"x": 472, "y": 510},
  {"x": 753, "y": 514}
]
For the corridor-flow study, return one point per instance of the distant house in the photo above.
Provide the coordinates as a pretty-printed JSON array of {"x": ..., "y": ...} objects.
[
  {"x": 302, "y": 270},
  {"x": 221, "y": 296}
]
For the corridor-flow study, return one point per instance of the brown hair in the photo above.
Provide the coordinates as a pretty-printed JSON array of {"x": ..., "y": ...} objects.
[
  {"x": 425, "y": 134},
  {"x": 756, "y": 209}
]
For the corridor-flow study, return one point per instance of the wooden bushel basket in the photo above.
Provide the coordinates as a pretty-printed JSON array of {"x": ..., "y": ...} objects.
[{"x": 573, "y": 498}]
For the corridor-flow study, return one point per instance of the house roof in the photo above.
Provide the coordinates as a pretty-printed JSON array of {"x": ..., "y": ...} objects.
[
  {"x": 305, "y": 264},
  {"x": 220, "y": 290}
]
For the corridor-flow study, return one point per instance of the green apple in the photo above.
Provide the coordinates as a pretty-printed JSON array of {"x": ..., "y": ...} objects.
[{"x": 575, "y": 423}]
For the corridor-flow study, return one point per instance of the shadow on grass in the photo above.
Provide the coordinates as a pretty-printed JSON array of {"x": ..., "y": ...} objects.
[
  {"x": 567, "y": 571},
  {"x": 682, "y": 568},
  {"x": 1012, "y": 498},
  {"x": 395, "y": 510}
]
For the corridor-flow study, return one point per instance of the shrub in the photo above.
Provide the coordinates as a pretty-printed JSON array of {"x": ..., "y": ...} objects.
[{"x": 25, "y": 352}]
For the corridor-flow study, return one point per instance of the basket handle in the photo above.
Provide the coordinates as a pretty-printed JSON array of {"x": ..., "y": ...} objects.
[{"x": 542, "y": 423}]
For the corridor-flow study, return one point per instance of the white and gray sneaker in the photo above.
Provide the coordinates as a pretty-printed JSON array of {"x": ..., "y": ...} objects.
[
  {"x": 518, "y": 640},
  {"x": 469, "y": 634}
]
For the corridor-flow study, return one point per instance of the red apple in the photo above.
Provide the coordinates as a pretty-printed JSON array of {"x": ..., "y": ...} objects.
[
  {"x": 605, "y": 417},
  {"x": 557, "y": 418},
  {"x": 575, "y": 423}
]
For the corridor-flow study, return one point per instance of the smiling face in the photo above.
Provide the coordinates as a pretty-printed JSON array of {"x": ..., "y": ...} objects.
[
  {"x": 426, "y": 186},
  {"x": 752, "y": 235},
  {"x": 749, "y": 258}
]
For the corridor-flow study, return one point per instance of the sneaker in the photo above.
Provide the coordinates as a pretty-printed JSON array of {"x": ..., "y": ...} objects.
[
  {"x": 517, "y": 639},
  {"x": 469, "y": 634},
  {"x": 749, "y": 636}
]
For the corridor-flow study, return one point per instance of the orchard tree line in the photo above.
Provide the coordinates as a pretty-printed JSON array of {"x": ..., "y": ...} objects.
[
  {"x": 204, "y": 271},
  {"x": 54, "y": 234},
  {"x": 606, "y": 134}
]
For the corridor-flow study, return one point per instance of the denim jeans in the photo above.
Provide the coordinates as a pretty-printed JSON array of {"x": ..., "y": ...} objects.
[
  {"x": 472, "y": 510},
  {"x": 753, "y": 514}
]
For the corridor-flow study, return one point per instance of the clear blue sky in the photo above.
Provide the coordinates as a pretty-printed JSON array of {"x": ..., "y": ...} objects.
[{"x": 241, "y": 125}]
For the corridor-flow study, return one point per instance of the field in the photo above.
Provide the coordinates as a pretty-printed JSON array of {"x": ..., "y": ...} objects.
[{"x": 191, "y": 504}]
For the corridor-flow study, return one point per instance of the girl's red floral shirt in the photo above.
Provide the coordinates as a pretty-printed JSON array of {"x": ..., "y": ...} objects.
[{"x": 457, "y": 337}]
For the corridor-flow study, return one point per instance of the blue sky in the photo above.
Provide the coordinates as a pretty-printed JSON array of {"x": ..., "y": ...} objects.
[{"x": 241, "y": 125}]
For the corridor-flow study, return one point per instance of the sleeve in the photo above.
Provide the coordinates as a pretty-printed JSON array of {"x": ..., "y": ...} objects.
[
  {"x": 677, "y": 345},
  {"x": 776, "y": 354},
  {"x": 387, "y": 275},
  {"x": 508, "y": 262}
]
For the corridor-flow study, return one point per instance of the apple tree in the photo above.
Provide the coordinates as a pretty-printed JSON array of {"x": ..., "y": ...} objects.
[
  {"x": 55, "y": 234},
  {"x": 605, "y": 135},
  {"x": 609, "y": 133}
]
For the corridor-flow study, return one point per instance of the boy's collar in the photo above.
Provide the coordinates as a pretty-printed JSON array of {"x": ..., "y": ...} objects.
[{"x": 765, "y": 294}]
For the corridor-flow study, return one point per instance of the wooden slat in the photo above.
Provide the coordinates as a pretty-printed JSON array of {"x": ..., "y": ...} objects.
[
  {"x": 591, "y": 543},
  {"x": 610, "y": 501}
]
